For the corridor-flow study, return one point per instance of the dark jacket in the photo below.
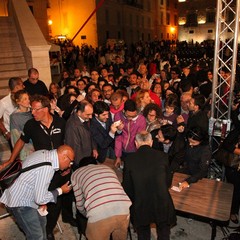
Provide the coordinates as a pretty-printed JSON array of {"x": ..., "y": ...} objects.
[
  {"x": 146, "y": 179},
  {"x": 101, "y": 137},
  {"x": 79, "y": 138},
  {"x": 38, "y": 88},
  {"x": 198, "y": 159},
  {"x": 175, "y": 153},
  {"x": 198, "y": 119}
]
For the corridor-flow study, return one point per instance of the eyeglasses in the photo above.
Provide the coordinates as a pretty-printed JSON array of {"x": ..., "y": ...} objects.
[
  {"x": 71, "y": 160},
  {"x": 130, "y": 117},
  {"x": 36, "y": 109},
  {"x": 151, "y": 115}
]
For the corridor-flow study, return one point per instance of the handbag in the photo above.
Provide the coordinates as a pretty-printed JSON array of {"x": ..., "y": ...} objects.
[{"x": 9, "y": 174}]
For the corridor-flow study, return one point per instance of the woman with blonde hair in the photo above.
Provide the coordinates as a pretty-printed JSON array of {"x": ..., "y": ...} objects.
[
  {"x": 55, "y": 90},
  {"x": 18, "y": 119},
  {"x": 142, "y": 99}
]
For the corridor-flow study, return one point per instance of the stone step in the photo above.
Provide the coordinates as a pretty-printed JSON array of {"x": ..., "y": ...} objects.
[
  {"x": 12, "y": 62},
  {"x": 8, "y": 41},
  {"x": 6, "y": 21},
  {"x": 15, "y": 73},
  {"x": 8, "y": 48},
  {"x": 13, "y": 66},
  {"x": 7, "y": 60},
  {"x": 11, "y": 54},
  {"x": 8, "y": 35},
  {"x": 7, "y": 29}
]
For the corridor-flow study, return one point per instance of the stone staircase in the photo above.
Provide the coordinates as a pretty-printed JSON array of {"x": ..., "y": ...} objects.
[{"x": 12, "y": 62}]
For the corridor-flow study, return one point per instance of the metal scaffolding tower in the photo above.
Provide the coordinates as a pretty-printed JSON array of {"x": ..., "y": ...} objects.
[{"x": 226, "y": 48}]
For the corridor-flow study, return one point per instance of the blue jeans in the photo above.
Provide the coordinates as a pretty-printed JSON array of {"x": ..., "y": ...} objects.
[{"x": 31, "y": 223}]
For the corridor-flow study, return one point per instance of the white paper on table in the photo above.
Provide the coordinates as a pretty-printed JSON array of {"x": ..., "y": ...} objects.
[{"x": 176, "y": 189}]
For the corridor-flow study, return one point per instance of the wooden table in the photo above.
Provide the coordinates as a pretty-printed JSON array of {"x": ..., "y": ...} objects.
[{"x": 207, "y": 198}]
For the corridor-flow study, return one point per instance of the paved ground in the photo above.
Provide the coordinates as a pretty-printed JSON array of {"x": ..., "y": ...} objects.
[{"x": 186, "y": 229}]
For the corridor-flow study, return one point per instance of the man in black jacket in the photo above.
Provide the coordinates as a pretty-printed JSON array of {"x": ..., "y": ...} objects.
[
  {"x": 146, "y": 179},
  {"x": 103, "y": 131}
]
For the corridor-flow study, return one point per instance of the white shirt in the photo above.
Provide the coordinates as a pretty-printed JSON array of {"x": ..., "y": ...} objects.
[
  {"x": 31, "y": 188},
  {"x": 6, "y": 109}
]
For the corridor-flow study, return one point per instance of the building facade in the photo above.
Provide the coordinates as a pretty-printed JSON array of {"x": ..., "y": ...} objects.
[
  {"x": 128, "y": 20},
  {"x": 196, "y": 19},
  {"x": 137, "y": 20}
]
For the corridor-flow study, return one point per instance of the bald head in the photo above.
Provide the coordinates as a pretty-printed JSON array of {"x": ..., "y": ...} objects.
[
  {"x": 143, "y": 138},
  {"x": 65, "y": 156}
]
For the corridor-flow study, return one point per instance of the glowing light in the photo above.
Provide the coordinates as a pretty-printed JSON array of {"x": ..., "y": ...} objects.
[
  {"x": 50, "y": 22},
  {"x": 181, "y": 0},
  {"x": 182, "y": 20},
  {"x": 172, "y": 29},
  {"x": 202, "y": 21}
]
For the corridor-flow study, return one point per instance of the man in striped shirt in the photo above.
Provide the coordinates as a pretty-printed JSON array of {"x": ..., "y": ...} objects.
[
  {"x": 101, "y": 198},
  {"x": 26, "y": 199}
]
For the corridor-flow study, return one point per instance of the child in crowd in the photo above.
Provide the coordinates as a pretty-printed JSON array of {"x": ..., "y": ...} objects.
[{"x": 169, "y": 114}]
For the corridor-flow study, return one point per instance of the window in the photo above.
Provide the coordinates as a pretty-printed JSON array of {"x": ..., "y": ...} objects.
[
  {"x": 191, "y": 31},
  {"x": 210, "y": 17},
  {"x": 210, "y": 31},
  {"x": 161, "y": 18},
  {"x": 119, "y": 35},
  {"x": 107, "y": 16},
  {"x": 149, "y": 5},
  {"x": 130, "y": 19},
  {"x": 175, "y": 20},
  {"x": 168, "y": 19},
  {"x": 118, "y": 18},
  {"x": 149, "y": 22},
  {"x": 168, "y": 3},
  {"x": 192, "y": 20}
]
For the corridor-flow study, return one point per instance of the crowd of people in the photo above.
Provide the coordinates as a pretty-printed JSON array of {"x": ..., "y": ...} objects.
[{"x": 149, "y": 115}]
